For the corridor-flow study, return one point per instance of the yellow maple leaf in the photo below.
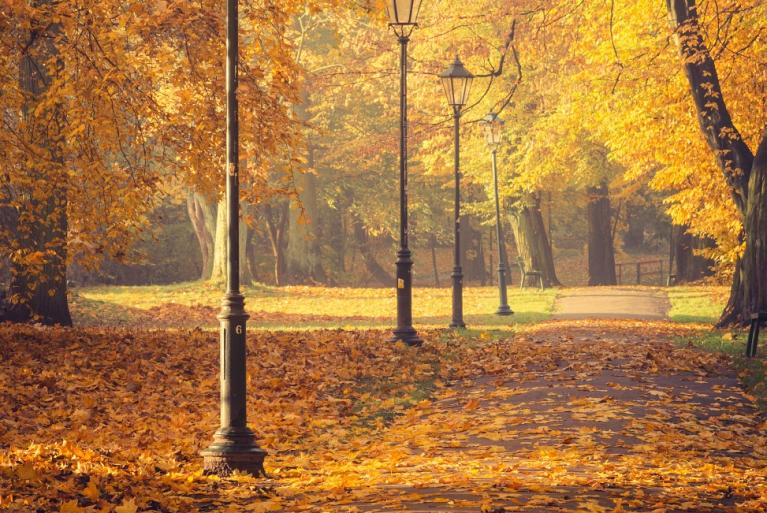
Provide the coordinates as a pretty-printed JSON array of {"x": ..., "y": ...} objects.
[
  {"x": 71, "y": 507},
  {"x": 26, "y": 472},
  {"x": 128, "y": 506},
  {"x": 92, "y": 491}
]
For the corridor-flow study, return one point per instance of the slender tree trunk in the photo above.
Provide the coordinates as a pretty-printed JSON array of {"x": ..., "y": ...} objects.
[
  {"x": 601, "y": 250},
  {"x": 39, "y": 272},
  {"x": 532, "y": 243},
  {"x": 203, "y": 217}
]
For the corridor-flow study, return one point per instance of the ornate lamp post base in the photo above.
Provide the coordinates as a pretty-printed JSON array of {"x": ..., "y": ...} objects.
[
  {"x": 504, "y": 310},
  {"x": 407, "y": 335},
  {"x": 234, "y": 449}
]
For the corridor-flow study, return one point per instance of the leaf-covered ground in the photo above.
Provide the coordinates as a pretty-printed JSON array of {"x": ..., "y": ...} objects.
[{"x": 579, "y": 416}]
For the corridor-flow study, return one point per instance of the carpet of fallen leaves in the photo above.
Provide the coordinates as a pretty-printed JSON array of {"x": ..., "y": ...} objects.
[{"x": 580, "y": 416}]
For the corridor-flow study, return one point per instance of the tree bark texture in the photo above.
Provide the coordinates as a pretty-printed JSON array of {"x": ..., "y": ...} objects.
[
  {"x": 532, "y": 242},
  {"x": 202, "y": 214},
  {"x": 601, "y": 249}
]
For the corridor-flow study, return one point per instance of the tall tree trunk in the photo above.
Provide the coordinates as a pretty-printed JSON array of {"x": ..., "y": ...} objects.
[
  {"x": 743, "y": 171},
  {"x": 601, "y": 250},
  {"x": 39, "y": 273},
  {"x": 203, "y": 217},
  {"x": 689, "y": 266},
  {"x": 366, "y": 251},
  {"x": 532, "y": 243}
]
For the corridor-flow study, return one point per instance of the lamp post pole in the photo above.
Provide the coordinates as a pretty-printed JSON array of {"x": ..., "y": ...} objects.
[
  {"x": 234, "y": 445},
  {"x": 404, "y": 330},
  {"x": 457, "y": 274},
  {"x": 503, "y": 309}
]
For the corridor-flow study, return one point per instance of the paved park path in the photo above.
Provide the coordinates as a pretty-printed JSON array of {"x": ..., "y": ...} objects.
[
  {"x": 649, "y": 304},
  {"x": 577, "y": 417}
]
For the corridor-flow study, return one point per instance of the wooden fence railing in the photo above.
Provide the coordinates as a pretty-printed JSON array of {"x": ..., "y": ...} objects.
[{"x": 636, "y": 271}]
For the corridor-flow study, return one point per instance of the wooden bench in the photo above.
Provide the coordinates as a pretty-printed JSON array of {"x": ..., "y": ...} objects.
[
  {"x": 527, "y": 275},
  {"x": 753, "y": 334}
]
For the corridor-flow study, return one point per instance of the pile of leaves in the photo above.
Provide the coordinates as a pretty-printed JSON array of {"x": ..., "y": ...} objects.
[{"x": 588, "y": 417}]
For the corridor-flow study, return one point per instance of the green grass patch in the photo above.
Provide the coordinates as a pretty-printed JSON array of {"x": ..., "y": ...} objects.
[{"x": 698, "y": 304}]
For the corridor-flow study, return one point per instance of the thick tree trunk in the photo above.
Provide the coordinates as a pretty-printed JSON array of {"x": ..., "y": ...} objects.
[
  {"x": 744, "y": 172},
  {"x": 733, "y": 311},
  {"x": 754, "y": 265},
  {"x": 689, "y": 266},
  {"x": 39, "y": 272},
  {"x": 532, "y": 243},
  {"x": 371, "y": 264},
  {"x": 202, "y": 214},
  {"x": 601, "y": 249}
]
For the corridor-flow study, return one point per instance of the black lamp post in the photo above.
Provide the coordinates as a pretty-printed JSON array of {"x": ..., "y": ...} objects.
[
  {"x": 456, "y": 81},
  {"x": 403, "y": 15},
  {"x": 493, "y": 126},
  {"x": 234, "y": 445}
]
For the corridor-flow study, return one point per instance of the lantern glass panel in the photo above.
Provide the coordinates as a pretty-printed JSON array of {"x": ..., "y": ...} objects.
[
  {"x": 447, "y": 85},
  {"x": 403, "y": 12},
  {"x": 493, "y": 126}
]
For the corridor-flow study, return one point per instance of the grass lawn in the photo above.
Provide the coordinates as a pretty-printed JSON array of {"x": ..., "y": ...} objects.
[
  {"x": 697, "y": 303},
  {"x": 193, "y": 304}
]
